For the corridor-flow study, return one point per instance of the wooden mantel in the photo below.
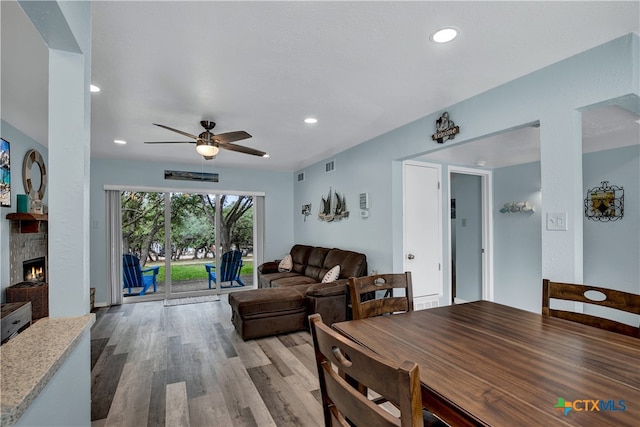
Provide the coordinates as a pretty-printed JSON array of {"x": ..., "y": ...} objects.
[{"x": 29, "y": 222}]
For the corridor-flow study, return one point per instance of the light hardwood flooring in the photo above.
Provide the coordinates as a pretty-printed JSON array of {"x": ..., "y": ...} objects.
[{"x": 185, "y": 365}]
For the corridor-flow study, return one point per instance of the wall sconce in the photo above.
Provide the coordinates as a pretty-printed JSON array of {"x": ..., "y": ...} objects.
[{"x": 519, "y": 206}]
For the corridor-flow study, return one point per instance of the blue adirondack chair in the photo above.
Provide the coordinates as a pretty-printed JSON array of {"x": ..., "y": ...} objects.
[
  {"x": 135, "y": 277},
  {"x": 230, "y": 267}
]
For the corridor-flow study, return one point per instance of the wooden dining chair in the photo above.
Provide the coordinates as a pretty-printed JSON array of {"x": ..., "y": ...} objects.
[
  {"x": 344, "y": 405},
  {"x": 619, "y": 300},
  {"x": 374, "y": 295}
]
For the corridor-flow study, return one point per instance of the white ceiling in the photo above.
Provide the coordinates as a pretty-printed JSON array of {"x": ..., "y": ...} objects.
[{"x": 361, "y": 68}]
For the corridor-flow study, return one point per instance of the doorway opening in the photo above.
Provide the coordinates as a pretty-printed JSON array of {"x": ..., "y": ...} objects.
[{"x": 470, "y": 241}]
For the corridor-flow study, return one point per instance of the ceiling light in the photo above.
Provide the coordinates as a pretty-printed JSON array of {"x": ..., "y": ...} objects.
[
  {"x": 444, "y": 35},
  {"x": 265, "y": 155},
  {"x": 94, "y": 88},
  {"x": 120, "y": 141},
  {"x": 310, "y": 120},
  {"x": 207, "y": 150}
]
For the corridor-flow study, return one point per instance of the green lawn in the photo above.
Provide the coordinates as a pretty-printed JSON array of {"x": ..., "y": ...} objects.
[{"x": 193, "y": 271}]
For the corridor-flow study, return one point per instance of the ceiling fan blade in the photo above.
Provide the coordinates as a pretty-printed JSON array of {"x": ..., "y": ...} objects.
[
  {"x": 241, "y": 149},
  {"x": 224, "y": 138},
  {"x": 177, "y": 131},
  {"x": 169, "y": 142}
]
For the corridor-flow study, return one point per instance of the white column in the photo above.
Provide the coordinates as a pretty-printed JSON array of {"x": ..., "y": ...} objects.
[{"x": 68, "y": 186}]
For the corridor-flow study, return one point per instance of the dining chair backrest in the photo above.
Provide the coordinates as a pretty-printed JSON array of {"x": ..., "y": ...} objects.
[
  {"x": 366, "y": 287},
  {"x": 611, "y": 298},
  {"x": 400, "y": 385}
]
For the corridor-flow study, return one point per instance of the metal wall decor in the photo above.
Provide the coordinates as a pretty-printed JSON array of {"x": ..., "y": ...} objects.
[
  {"x": 445, "y": 129},
  {"x": 604, "y": 203},
  {"x": 333, "y": 208},
  {"x": 191, "y": 176},
  {"x": 306, "y": 210}
]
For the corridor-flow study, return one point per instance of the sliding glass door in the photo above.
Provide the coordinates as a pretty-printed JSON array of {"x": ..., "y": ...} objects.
[{"x": 187, "y": 244}]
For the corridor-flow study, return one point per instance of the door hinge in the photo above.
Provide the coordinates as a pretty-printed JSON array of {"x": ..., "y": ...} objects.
[
  {"x": 438, "y": 185},
  {"x": 439, "y": 267}
]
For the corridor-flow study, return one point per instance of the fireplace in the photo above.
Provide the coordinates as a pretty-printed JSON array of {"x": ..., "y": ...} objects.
[{"x": 35, "y": 270}]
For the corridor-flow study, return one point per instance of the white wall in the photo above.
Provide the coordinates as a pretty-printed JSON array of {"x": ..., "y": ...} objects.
[
  {"x": 277, "y": 187},
  {"x": 552, "y": 96}
]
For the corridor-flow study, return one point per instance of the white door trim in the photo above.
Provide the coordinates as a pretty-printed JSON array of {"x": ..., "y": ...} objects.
[{"x": 487, "y": 225}]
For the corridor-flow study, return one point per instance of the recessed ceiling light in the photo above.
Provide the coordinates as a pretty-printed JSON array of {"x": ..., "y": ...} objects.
[
  {"x": 94, "y": 88},
  {"x": 310, "y": 120},
  {"x": 444, "y": 35},
  {"x": 120, "y": 141}
]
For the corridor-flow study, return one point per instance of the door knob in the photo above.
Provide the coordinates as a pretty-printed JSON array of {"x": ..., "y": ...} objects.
[{"x": 410, "y": 256}]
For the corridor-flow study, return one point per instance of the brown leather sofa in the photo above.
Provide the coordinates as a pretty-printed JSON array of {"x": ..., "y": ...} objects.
[{"x": 284, "y": 300}]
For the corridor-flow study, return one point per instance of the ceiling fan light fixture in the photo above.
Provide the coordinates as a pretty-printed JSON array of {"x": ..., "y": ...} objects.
[{"x": 207, "y": 150}]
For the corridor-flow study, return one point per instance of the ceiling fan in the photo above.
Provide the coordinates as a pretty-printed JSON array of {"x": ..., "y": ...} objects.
[{"x": 208, "y": 144}]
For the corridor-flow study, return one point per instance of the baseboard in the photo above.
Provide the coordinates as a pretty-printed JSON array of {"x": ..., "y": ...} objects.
[{"x": 457, "y": 300}]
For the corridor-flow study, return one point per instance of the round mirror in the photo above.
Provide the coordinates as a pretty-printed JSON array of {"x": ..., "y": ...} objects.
[{"x": 34, "y": 175}]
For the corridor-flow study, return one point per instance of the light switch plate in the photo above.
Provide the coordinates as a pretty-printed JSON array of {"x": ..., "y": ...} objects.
[{"x": 557, "y": 221}]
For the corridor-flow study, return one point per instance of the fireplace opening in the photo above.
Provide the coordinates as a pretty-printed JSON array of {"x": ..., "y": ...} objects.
[{"x": 35, "y": 270}]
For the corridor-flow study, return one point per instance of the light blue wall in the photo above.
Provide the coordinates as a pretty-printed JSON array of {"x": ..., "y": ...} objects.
[
  {"x": 517, "y": 237},
  {"x": 551, "y": 96},
  {"x": 467, "y": 190},
  {"x": 20, "y": 144},
  {"x": 612, "y": 249},
  {"x": 65, "y": 400},
  {"x": 277, "y": 186}
]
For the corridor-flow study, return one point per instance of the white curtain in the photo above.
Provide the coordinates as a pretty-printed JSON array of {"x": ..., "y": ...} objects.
[{"x": 114, "y": 246}]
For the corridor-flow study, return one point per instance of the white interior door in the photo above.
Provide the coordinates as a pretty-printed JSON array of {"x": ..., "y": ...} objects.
[{"x": 423, "y": 230}]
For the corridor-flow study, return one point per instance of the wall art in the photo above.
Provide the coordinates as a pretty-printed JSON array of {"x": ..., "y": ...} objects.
[
  {"x": 333, "y": 207},
  {"x": 5, "y": 174},
  {"x": 604, "y": 203}
]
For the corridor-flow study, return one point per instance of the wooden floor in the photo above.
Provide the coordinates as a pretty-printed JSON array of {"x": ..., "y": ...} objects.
[{"x": 186, "y": 366}]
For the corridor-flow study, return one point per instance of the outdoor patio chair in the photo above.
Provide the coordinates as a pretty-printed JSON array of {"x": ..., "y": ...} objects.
[
  {"x": 135, "y": 277},
  {"x": 230, "y": 267}
]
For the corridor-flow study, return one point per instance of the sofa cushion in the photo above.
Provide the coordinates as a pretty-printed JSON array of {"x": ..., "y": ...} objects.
[
  {"x": 299, "y": 279},
  {"x": 339, "y": 287},
  {"x": 266, "y": 280},
  {"x": 352, "y": 264},
  {"x": 315, "y": 264},
  {"x": 300, "y": 255}
]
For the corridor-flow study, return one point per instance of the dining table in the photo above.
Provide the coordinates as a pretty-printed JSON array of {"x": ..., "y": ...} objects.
[{"x": 484, "y": 363}]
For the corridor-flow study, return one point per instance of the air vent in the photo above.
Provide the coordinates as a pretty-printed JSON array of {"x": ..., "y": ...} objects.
[
  {"x": 330, "y": 166},
  {"x": 301, "y": 177}
]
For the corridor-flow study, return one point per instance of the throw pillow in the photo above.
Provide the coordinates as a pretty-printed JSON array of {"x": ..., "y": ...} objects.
[
  {"x": 332, "y": 275},
  {"x": 286, "y": 264}
]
